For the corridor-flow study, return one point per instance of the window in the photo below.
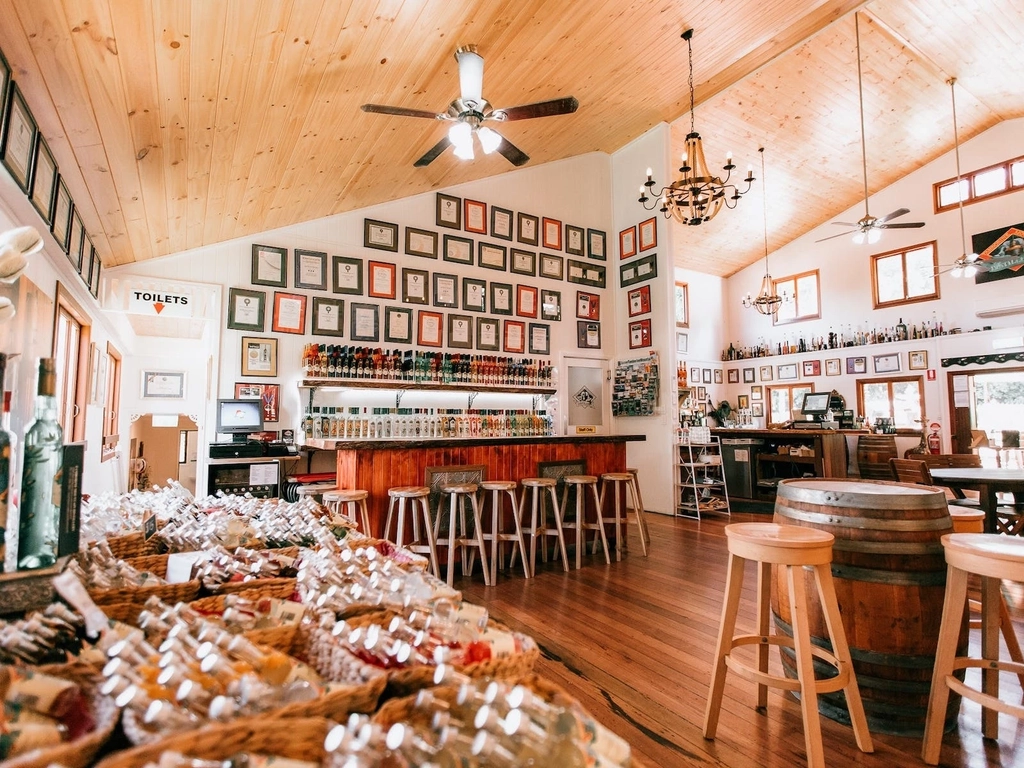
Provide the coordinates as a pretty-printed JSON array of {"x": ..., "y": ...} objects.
[
  {"x": 785, "y": 402},
  {"x": 110, "y": 409},
  {"x": 900, "y": 399},
  {"x": 801, "y": 298},
  {"x": 682, "y": 305},
  {"x": 70, "y": 350},
  {"x": 981, "y": 184},
  {"x": 905, "y": 276}
]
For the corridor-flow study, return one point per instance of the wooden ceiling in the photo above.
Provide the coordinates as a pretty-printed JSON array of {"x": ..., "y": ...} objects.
[{"x": 181, "y": 123}]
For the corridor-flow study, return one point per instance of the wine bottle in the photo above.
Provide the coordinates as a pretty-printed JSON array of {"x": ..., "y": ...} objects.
[
  {"x": 6, "y": 449},
  {"x": 41, "y": 477}
]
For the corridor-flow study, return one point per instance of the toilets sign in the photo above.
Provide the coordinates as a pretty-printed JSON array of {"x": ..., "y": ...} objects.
[{"x": 160, "y": 303}]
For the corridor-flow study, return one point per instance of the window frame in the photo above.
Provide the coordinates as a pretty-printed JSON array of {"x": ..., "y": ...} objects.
[
  {"x": 111, "y": 405},
  {"x": 792, "y": 409},
  {"x": 876, "y": 257},
  {"x": 65, "y": 303},
  {"x": 890, "y": 380},
  {"x": 796, "y": 297},
  {"x": 686, "y": 304},
  {"x": 969, "y": 176}
]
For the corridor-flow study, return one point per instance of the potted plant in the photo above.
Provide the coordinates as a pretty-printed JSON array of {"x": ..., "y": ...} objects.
[{"x": 722, "y": 413}]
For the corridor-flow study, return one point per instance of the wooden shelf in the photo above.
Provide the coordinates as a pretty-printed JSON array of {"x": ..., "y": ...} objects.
[
  {"x": 423, "y": 385},
  {"x": 785, "y": 459}
]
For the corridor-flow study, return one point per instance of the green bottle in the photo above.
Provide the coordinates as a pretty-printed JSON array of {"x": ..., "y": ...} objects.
[{"x": 5, "y": 471}]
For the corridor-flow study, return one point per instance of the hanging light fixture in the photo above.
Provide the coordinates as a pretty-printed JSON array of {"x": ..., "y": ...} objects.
[
  {"x": 767, "y": 301},
  {"x": 696, "y": 196},
  {"x": 966, "y": 265}
]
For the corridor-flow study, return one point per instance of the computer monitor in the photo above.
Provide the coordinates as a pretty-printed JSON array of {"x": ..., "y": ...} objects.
[
  {"x": 816, "y": 403},
  {"x": 239, "y": 418}
]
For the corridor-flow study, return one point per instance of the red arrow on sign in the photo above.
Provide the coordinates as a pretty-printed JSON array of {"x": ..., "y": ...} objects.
[{"x": 158, "y": 307}]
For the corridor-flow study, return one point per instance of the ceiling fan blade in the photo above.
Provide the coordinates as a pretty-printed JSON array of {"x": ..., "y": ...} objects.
[
  {"x": 382, "y": 109},
  {"x": 512, "y": 153},
  {"x": 903, "y": 225},
  {"x": 563, "y": 106},
  {"x": 431, "y": 154},
  {"x": 894, "y": 215},
  {"x": 845, "y": 224},
  {"x": 841, "y": 234},
  {"x": 471, "y": 74}
]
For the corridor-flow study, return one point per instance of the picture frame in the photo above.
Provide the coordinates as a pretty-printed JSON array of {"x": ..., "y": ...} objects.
[
  {"x": 917, "y": 360},
  {"x": 526, "y": 301},
  {"x": 888, "y": 363},
  {"x": 421, "y": 242},
  {"x": 289, "y": 313},
  {"x": 539, "y": 336},
  {"x": 527, "y": 229},
  {"x": 765, "y": 372},
  {"x": 247, "y": 310},
  {"x": 757, "y": 392},
  {"x": 415, "y": 286},
  {"x": 749, "y": 376},
  {"x": 163, "y": 385},
  {"x": 718, "y": 376},
  {"x": 627, "y": 243},
  {"x": 588, "y": 305},
  {"x": 694, "y": 376},
  {"x": 647, "y": 234},
  {"x": 458, "y": 250},
  {"x": 429, "y": 328},
  {"x": 513, "y": 335},
  {"x": 270, "y": 266},
  {"x": 44, "y": 179},
  {"x": 269, "y": 396},
  {"x": 474, "y": 295},
  {"x": 832, "y": 367},
  {"x": 523, "y": 262},
  {"x": 733, "y": 376},
  {"x": 682, "y": 343},
  {"x": 787, "y": 372},
  {"x": 588, "y": 334},
  {"x": 259, "y": 357},
  {"x": 5, "y": 81},
  {"x": 397, "y": 325},
  {"x": 597, "y": 244},
  {"x": 550, "y": 304},
  {"x": 757, "y": 409},
  {"x": 487, "y": 334},
  {"x": 501, "y": 299},
  {"x": 60, "y": 227},
  {"x": 381, "y": 235},
  {"x": 574, "y": 240},
  {"x": 586, "y": 273},
  {"x": 702, "y": 394},
  {"x": 460, "y": 331},
  {"x": 743, "y": 402},
  {"x": 446, "y": 290},
  {"x": 490, "y": 256},
  {"x": 640, "y": 334},
  {"x": 812, "y": 368},
  {"x": 551, "y": 233},
  {"x": 705, "y": 375},
  {"x": 382, "y": 280},
  {"x": 328, "y": 316},
  {"x": 364, "y": 322},
  {"x": 474, "y": 216},
  {"x": 641, "y": 270},
  {"x": 77, "y": 254},
  {"x": 19, "y": 138},
  {"x": 681, "y": 295},
  {"x": 552, "y": 266},
  {"x": 501, "y": 223},
  {"x": 310, "y": 269},
  {"x": 448, "y": 211},
  {"x": 347, "y": 275},
  {"x": 94, "y": 273},
  {"x": 856, "y": 365},
  {"x": 639, "y": 300}
]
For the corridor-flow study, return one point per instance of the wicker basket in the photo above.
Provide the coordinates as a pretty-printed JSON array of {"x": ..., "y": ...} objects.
[
  {"x": 169, "y": 593},
  {"x": 282, "y": 637},
  {"x": 132, "y": 544},
  {"x": 281, "y": 587}
]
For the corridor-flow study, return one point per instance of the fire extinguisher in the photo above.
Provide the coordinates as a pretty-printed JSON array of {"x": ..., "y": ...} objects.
[{"x": 934, "y": 438}]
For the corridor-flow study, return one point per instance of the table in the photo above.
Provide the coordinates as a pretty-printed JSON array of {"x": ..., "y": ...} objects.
[{"x": 987, "y": 482}]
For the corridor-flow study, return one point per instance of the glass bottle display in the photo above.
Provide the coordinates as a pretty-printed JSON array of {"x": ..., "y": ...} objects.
[{"x": 5, "y": 471}]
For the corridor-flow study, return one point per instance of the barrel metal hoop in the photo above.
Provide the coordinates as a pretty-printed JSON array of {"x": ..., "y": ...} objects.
[
  {"x": 900, "y": 660},
  {"x": 943, "y": 523},
  {"x": 889, "y": 547},
  {"x": 855, "y": 500},
  {"x": 895, "y": 578}
]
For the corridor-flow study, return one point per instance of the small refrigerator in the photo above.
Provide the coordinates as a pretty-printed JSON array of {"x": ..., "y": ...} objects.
[{"x": 739, "y": 458}]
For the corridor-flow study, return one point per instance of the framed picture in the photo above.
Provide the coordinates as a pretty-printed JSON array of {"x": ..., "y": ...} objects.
[
  {"x": 289, "y": 313},
  {"x": 640, "y": 334},
  {"x": 748, "y": 376},
  {"x": 347, "y": 275},
  {"x": 310, "y": 269},
  {"x": 917, "y": 360},
  {"x": 757, "y": 392},
  {"x": 550, "y": 305},
  {"x": 164, "y": 385},
  {"x": 527, "y": 229},
  {"x": 19, "y": 138},
  {"x": 524, "y": 262},
  {"x": 446, "y": 290},
  {"x": 639, "y": 300},
  {"x": 733, "y": 377},
  {"x": 812, "y": 367},
  {"x": 513, "y": 336},
  {"x": 458, "y": 249},
  {"x": 382, "y": 280},
  {"x": 574, "y": 240},
  {"x": 832, "y": 367},
  {"x": 588, "y": 305},
  {"x": 887, "y": 363},
  {"x": 526, "y": 301},
  {"x": 77, "y": 253},
  {"x": 743, "y": 402},
  {"x": 421, "y": 242},
  {"x": 492, "y": 256},
  {"x": 269, "y": 396},
  {"x": 328, "y": 316},
  {"x": 487, "y": 329},
  {"x": 639, "y": 271},
  {"x": 627, "y": 243},
  {"x": 44, "y": 179},
  {"x": 259, "y": 356},
  {"x": 585, "y": 273},
  {"x": 430, "y": 328},
  {"x": 702, "y": 394},
  {"x": 364, "y": 323},
  {"x": 648, "y": 234},
  {"x": 270, "y": 266},
  {"x": 540, "y": 339},
  {"x": 62, "y": 206},
  {"x": 94, "y": 271},
  {"x": 705, "y": 375},
  {"x": 501, "y": 223},
  {"x": 551, "y": 233},
  {"x": 449, "y": 211},
  {"x": 415, "y": 286},
  {"x": 398, "y": 325},
  {"x": 381, "y": 235},
  {"x": 460, "y": 331},
  {"x": 856, "y": 365},
  {"x": 766, "y": 373},
  {"x": 5, "y": 80},
  {"x": 682, "y": 301},
  {"x": 552, "y": 266},
  {"x": 596, "y": 244},
  {"x": 474, "y": 295},
  {"x": 757, "y": 409},
  {"x": 474, "y": 216},
  {"x": 718, "y": 375},
  {"x": 247, "y": 310},
  {"x": 501, "y": 299},
  {"x": 682, "y": 343},
  {"x": 788, "y": 372},
  {"x": 588, "y": 334}
]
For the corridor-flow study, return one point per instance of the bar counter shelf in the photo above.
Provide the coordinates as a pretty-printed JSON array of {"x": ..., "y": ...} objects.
[{"x": 434, "y": 386}]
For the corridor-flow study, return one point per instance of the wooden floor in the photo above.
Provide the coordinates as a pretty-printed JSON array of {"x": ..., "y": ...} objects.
[{"x": 633, "y": 642}]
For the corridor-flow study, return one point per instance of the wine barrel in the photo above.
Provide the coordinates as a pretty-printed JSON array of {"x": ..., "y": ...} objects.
[{"x": 890, "y": 577}]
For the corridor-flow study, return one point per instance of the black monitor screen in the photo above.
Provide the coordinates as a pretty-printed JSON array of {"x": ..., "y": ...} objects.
[
  {"x": 239, "y": 416},
  {"x": 816, "y": 403}
]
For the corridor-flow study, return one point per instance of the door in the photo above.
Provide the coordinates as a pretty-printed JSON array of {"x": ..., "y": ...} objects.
[
  {"x": 588, "y": 404},
  {"x": 987, "y": 413},
  {"x": 188, "y": 457}
]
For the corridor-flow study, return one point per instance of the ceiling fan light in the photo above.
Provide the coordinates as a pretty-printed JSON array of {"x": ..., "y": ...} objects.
[
  {"x": 471, "y": 75},
  {"x": 464, "y": 151},
  {"x": 489, "y": 140},
  {"x": 460, "y": 134},
  {"x": 970, "y": 270},
  {"x": 874, "y": 235},
  {"x": 970, "y": 258},
  {"x": 858, "y": 238}
]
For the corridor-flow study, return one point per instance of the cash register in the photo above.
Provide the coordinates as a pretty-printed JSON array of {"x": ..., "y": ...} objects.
[{"x": 821, "y": 407}]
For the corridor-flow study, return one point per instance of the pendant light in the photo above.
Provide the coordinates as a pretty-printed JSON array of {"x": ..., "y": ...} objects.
[
  {"x": 966, "y": 265},
  {"x": 767, "y": 301}
]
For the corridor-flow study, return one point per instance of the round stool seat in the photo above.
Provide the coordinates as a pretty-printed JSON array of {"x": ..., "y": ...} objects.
[
  {"x": 345, "y": 495},
  {"x": 967, "y": 520},
  {"x": 539, "y": 482},
  {"x": 409, "y": 492},
  {"x": 781, "y": 544},
  {"x": 986, "y": 554},
  {"x": 617, "y": 477},
  {"x": 580, "y": 479},
  {"x": 498, "y": 485},
  {"x": 459, "y": 487}
]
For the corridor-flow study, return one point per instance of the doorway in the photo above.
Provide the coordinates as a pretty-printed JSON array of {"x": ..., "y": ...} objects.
[
  {"x": 164, "y": 447},
  {"x": 988, "y": 415}
]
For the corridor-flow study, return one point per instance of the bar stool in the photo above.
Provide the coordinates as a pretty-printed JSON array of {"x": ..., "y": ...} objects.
[
  {"x": 458, "y": 533},
  {"x": 641, "y": 520},
  {"x": 621, "y": 519},
  {"x": 536, "y": 488},
  {"x": 419, "y": 501},
  {"x": 792, "y": 548},
  {"x": 993, "y": 557},
  {"x": 582, "y": 483},
  {"x": 349, "y": 504},
  {"x": 499, "y": 534}
]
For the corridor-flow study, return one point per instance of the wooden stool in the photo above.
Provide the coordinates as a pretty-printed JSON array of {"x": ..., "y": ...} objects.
[
  {"x": 458, "y": 538},
  {"x": 641, "y": 520},
  {"x": 536, "y": 487},
  {"x": 792, "y": 547},
  {"x": 993, "y": 557},
  {"x": 621, "y": 518},
  {"x": 349, "y": 504},
  {"x": 581, "y": 483},
  {"x": 419, "y": 501},
  {"x": 498, "y": 534}
]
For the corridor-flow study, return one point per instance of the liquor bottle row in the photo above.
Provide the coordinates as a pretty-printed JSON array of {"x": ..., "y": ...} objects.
[
  {"x": 336, "y": 361},
  {"x": 331, "y": 422}
]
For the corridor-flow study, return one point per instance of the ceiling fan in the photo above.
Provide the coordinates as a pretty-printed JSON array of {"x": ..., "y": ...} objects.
[
  {"x": 869, "y": 229},
  {"x": 468, "y": 113}
]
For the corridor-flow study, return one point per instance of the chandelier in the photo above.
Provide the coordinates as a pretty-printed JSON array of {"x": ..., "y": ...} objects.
[
  {"x": 966, "y": 265},
  {"x": 767, "y": 301},
  {"x": 696, "y": 196}
]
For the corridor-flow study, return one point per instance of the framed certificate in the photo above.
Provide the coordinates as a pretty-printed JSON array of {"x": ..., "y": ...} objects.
[
  {"x": 596, "y": 244},
  {"x": 382, "y": 280},
  {"x": 639, "y": 300},
  {"x": 44, "y": 180},
  {"x": 259, "y": 356},
  {"x": 430, "y": 328},
  {"x": 501, "y": 223},
  {"x": 446, "y": 290},
  {"x": 487, "y": 334},
  {"x": 62, "y": 205},
  {"x": 627, "y": 243},
  {"x": 474, "y": 295},
  {"x": 527, "y": 228},
  {"x": 475, "y": 217},
  {"x": 460, "y": 331},
  {"x": 514, "y": 338},
  {"x": 787, "y": 372},
  {"x": 421, "y": 242},
  {"x": 640, "y": 334},
  {"x": 526, "y": 301},
  {"x": 289, "y": 313},
  {"x": 588, "y": 305},
  {"x": 551, "y": 233},
  {"x": 540, "y": 339},
  {"x": 269, "y": 266},
  {"x": 18, "y": 139},
  {"x": 588, "y": 334},
  {"x": 415, "y": 286},
  {"x": 524, "y": 262},
  {"x": 165, "y": 385},
  {"x": 458, "y": 249},
  {"x": 449, "y": 211},
  {"x": 328, "y": 316},
  {"x": 311, "y": 269},
  {"x": 492, "y": 256},
  {"x": 347, "y": 275},
  {"x": 552, "y": 266},
  {"x": 887, "y": 363},
  {"x": 648, "y": 232},
  {"x": 364, "y": 324},
  {"x": 550, "y": 304},
  {"x": 381, "y": 235},
  {"x": 501, "y": 298},
  {"x": 398, "y": 325},
  {"x": 246, "y": 310},
  {"x": 574, "y": 240}
]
